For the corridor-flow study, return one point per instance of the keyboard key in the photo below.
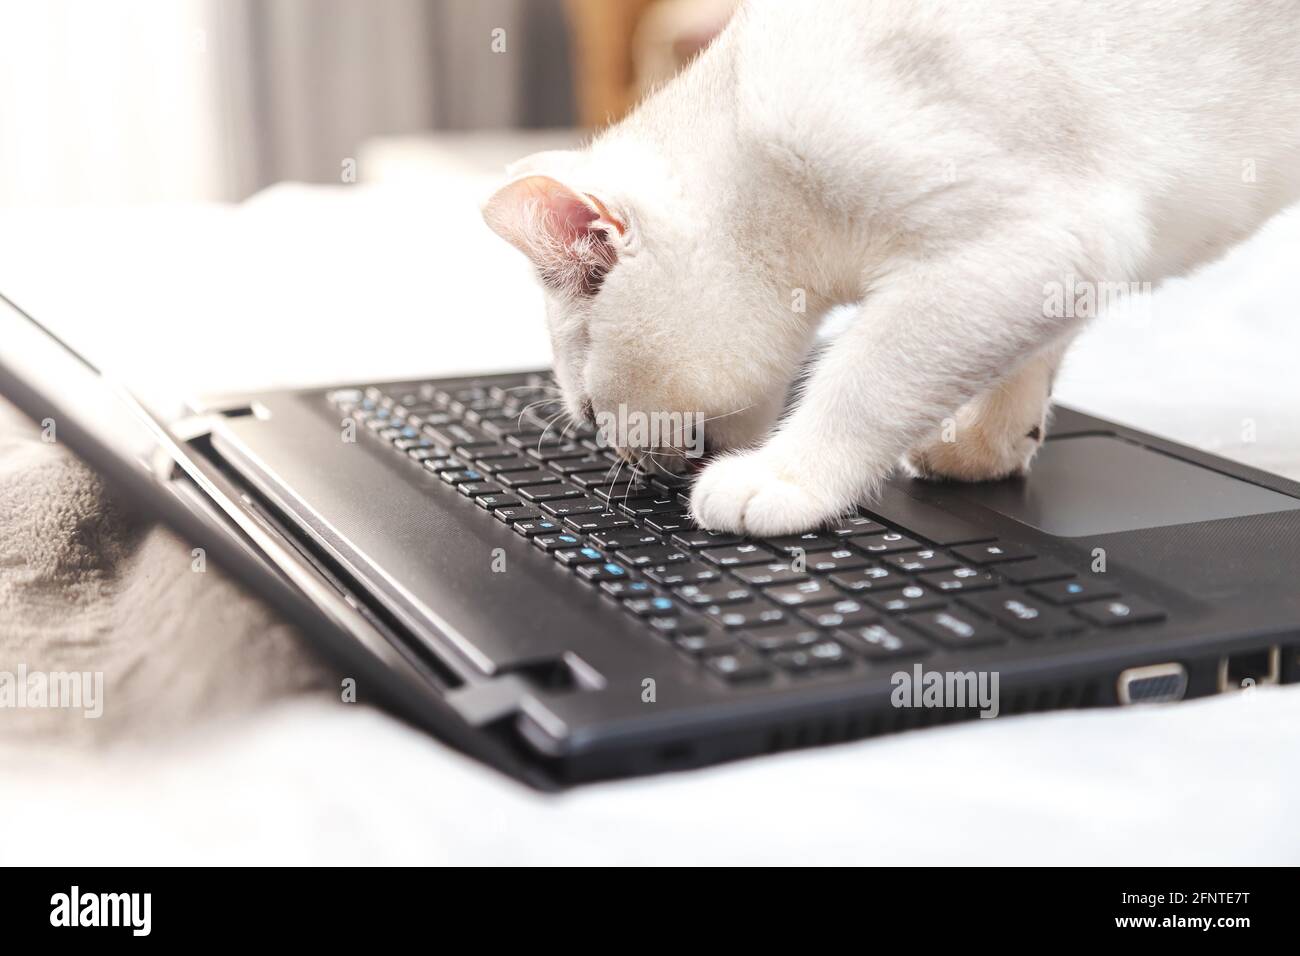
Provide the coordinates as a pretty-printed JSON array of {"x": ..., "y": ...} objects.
[
  {"x": 959, "y": 579},
  {"x": 840, "y": 559},
  {"x": 652, "y": 606},
  {"x": 804, "y": 593},
  {"x": 433, "y": 420},
  {"x": 686, "y": 572},
  {"x": 1075, "y": 591},
  {"x": 624, "y": 491},
  {"x": 747, "y": 615},
  {"x": 512, "y": 514},
  {"x": 681, "y": 626},
  {"x": 492, "y": 502},
  {"x": 924, "y": 560},
  {"x": 608, "y": 571},
  {"x": 739, "y": 665},
  {"x": 1022, "y": 614},
  {"x": 1035, "y": 570},
  {"x": 458, "y": 476},
  {"x": 605, "y": 521},
  {"x": 707, "y": 642},
  {"x": 869, "y": 579},
  {"x": 953, "y": 627},
  {"x": 501, "y": 466},
  {"x": 994, "y": 552},
  {"x": 472, "y": 489},
  {"x": 552, "y": 449},
  {"x": 425, "y": 454},
  {"x": 887, "y": 543},
  {"x": 596, "y": 464},
  {"x": 620, "y": 539},
  {"x": 525, "y": 437},
  {"x": 540, "y": 525},
  {"x": 883, "y": 642},
  {"x": 622, "y": 589},
  {"x": 565, "y": 507},
  {"x": 823, "y": 654},
  {"x": 413, "y": 444},
  {"x": 538, "y": 494},
  {"x": 845, "y": 612},
  {"x": 761, "y": 575},
  {"x": 1117, "y": 611},
  {"x": 782, "y": 637},
  {"x": 853, "y": 527},
  {"x": 575, "y": 556},
  {"x": 525, "y": 479},
  {"x": 736, "y": 555},
  {"x": 457, "y": 433},
  {"x": 716, "y": 592},
  {"x": 669, "y": 523},
  {"x": 646, "y": 507},
  {"x": 554, "y": 542},
  {"x": 490, "y": 454},
  {"x": 697, "y": 538},
  {"x": 792, "y": 543},
  {"x": 911, "y": 597},
  {"x": 652, "y": 555}
]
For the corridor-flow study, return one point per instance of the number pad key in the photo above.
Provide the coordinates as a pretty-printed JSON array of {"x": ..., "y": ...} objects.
[
  {"x": 912, "y": 597},
  {"x": 953, "y": 627},
  {"x": 843, "y": 613}
]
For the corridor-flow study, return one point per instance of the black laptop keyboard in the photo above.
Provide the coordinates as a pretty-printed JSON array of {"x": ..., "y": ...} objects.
[{"x": 893, "y": 583}]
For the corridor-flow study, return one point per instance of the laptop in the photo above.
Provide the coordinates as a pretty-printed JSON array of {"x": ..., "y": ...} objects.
[{"x": 507, "y": 587}]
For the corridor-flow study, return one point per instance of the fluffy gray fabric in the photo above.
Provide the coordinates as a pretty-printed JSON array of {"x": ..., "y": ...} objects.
[{"x": 87, "y": 586}]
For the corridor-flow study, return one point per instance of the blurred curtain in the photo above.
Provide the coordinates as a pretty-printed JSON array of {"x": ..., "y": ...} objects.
[
  {"x": 302, "y": 83},
  {"x": 106, "y": 103}
]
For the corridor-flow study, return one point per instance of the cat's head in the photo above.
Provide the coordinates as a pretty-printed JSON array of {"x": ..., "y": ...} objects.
[{"x": 657, "y": 317}]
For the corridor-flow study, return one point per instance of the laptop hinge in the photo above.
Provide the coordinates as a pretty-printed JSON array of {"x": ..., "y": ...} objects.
[{"x": 489, "y": 701}]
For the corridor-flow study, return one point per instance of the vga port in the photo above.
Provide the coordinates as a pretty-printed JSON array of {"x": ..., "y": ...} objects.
[{"x": 1152, "y": 684}]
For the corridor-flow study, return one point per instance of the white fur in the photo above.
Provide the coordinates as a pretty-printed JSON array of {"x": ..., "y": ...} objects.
[{"x": 938, "y": 163}]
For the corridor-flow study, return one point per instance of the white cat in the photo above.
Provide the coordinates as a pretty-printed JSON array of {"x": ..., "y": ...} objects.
[{"x": 941, "y": 164}]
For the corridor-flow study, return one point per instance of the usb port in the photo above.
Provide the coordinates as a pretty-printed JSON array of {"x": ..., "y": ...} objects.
[{"x": 1250, "y": 669}]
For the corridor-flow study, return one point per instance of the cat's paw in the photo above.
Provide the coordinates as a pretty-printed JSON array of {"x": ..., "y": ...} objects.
[
  {"x": 978, "y": 452},
  {"x": 750, "y": 493}
]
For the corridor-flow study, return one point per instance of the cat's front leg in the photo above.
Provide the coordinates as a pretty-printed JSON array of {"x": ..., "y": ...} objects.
[
  {"x": 924, "y": 345},
  {"x": 997, "y": 433}
]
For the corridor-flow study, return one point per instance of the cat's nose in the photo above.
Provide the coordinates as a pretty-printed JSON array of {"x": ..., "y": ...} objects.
[{"x": 588, "y": 412}]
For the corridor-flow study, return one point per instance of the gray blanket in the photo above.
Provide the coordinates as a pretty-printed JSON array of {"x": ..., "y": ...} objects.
[{"x": 86, "y": 586}]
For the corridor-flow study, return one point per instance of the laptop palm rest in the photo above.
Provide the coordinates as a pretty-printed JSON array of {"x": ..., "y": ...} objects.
[{"x": 1083, "y": 485}]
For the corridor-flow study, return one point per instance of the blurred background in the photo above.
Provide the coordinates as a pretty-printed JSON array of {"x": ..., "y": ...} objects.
[{"x": 143, "y": 101}]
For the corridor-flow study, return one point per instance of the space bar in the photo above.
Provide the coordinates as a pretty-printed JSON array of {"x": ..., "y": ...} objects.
[{"x": 896, "y": 507}]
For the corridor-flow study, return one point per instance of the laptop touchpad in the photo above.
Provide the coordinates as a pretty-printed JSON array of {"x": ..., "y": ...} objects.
[{"x": 1098, "y": 484}]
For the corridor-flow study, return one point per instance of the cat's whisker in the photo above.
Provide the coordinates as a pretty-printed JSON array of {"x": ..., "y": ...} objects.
[
  {"x": 551, "y": 421},
  {"x": 714, "y": 418},
  {"x": 519, "y": 422},
  {"x": 519, "y": 388}
]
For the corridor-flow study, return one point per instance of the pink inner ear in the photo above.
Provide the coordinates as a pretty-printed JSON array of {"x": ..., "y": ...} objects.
[{"x": 558, "y": 229}]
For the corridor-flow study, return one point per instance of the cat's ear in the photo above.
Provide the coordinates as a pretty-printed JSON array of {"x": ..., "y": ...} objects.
[
  {"x": 552, "y": 162},
  {"x": 570, "y": 236}
]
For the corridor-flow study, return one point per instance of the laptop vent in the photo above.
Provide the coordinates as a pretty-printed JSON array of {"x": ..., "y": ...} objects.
[{"x": 856, "y": 726}]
